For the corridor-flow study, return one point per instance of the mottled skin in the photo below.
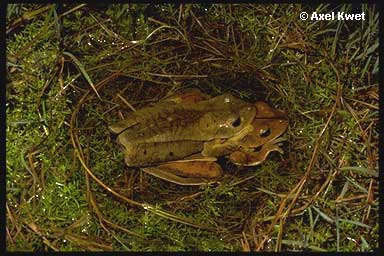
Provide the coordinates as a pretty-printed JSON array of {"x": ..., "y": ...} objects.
[
  {"x": 170, "y": 131},
  {"x": 179, "y": 138}
]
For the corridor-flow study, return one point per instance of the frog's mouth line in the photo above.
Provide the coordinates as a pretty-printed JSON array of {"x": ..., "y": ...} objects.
[{"x": 257, "y": 149}]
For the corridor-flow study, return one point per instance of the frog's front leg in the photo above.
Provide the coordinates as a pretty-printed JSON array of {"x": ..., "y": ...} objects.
[
  {"x": 220, "y": 147},
  {"x": 247, "y": 158},
  {"x": 187, "y": 173}
]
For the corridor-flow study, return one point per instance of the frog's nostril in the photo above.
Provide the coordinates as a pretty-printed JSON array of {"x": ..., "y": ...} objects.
[
  {"x": 265, "y": 132},
  {"x": 237, "y": 122}
]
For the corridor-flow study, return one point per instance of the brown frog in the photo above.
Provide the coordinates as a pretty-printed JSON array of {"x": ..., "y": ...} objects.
[
  {"x": 169, "y": 131},
  {"x": 179, "y": 138}
]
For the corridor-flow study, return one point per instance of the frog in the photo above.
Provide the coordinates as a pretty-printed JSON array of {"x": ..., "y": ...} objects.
[
  {"x": 194, "y": 161},
  {"x": 169, "y": 131},
  {"x": 252, "y": 149},
  {"x": 269, "y": 125}
]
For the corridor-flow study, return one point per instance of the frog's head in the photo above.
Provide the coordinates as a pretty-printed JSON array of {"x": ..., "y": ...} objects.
[
  {"x": 227, "y": 123},
  {"x": 268, "y": 124}
]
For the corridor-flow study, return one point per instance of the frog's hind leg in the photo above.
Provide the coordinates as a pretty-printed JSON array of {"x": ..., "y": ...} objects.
[
  {"x": 188, "y": 96},
  {"x": 122, "y": 125},
  {"x": 186, "y": 173},
  {"x": 166, "y": 175}
]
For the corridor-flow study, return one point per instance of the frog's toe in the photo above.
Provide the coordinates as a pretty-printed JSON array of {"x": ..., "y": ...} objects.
[
  {"x": 276, "y": 148},
  {"x": 274, "y": 142}
]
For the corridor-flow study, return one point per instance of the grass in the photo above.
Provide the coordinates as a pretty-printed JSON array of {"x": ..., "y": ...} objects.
[{"x": 74, "y": 69}]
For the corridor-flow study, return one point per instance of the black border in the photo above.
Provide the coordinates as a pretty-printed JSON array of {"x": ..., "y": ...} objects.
[{"x": 3, "y": 6}]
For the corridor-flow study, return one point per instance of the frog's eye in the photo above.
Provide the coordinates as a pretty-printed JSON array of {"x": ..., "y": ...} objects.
[
  {"x": 237, "y": 122},
  {"x": 265, "y": 132}
]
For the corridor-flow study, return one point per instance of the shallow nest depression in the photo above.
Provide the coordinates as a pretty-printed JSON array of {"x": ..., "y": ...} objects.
[{"x": 106, "y": 61}]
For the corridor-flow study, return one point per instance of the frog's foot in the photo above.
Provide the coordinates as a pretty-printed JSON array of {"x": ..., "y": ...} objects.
[
  {"x": 248, "y": 158},
  {"x": 187, "y": 173}
]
